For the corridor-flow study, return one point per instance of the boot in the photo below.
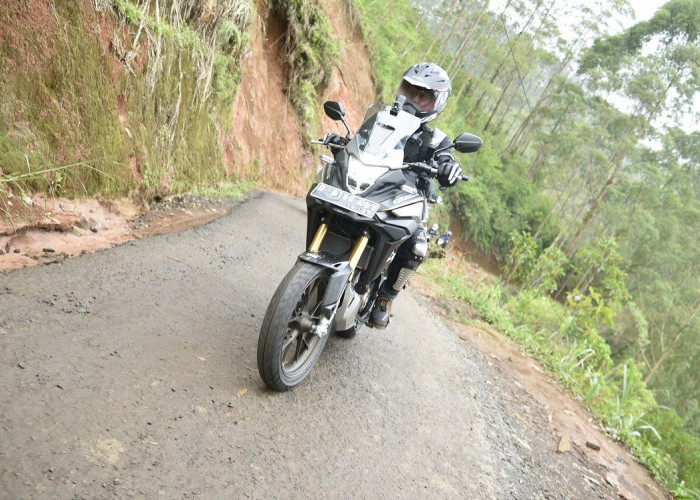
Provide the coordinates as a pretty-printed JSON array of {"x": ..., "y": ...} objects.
[{"x": 381, "y": 313}]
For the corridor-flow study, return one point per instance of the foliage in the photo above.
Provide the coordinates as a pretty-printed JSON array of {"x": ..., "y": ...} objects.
[
  {"x": 394, "y": 45},
  {"x": 673, "y": 441},
  {"x": 581, "y": 360},
  {"x": 600, "y": 263},
  {"x": 563, "y": 164},
  {"x": 525, "y": 266},
  {"x": 588, "y": 166},
  {"x": 139, "y": 109},
  {"x": 521, "y": 259},
  {"x": 550, "y": 266},
  {"x": 312, "y": 55}
]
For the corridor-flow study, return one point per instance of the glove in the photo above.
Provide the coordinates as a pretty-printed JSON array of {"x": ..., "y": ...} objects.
[
  {"x": 449, "y": 173},
  {"x": 333, "y": 138}
]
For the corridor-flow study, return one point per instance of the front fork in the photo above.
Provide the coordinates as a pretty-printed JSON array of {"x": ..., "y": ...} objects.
[
  {"x": 357, "y": 250},
  {"x": 342, "y": 273}
]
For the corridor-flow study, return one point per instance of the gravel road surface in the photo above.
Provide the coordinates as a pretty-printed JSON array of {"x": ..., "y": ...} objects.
[{"x": 131, "y": 373}]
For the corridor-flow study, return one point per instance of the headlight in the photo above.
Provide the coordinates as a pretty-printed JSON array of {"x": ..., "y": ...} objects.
[{"x": 361, "y": 176}]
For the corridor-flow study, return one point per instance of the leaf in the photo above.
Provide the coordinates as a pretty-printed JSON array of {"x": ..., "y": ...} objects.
[{"x": 241, "y": 393}]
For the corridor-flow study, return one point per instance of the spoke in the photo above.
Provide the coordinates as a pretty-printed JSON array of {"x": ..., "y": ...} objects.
[
  {"x": 299, "y": 348},
  {"x": 304, "y": 339},
  {"x": 292, "y": 338},
  {"x": 300, "y": 343}
]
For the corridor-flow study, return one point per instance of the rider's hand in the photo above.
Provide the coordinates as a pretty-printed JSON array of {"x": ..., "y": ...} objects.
[
  {"x": 333, "y": 138},
  {"x": 449, "y": 173}
]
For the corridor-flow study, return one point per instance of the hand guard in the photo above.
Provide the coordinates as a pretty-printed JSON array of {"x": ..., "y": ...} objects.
[
  {"x": 449, "y": 173},
  {"x": 333, "y": 138}
]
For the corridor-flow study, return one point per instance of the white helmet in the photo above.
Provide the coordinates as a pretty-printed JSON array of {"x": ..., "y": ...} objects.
[{"x": 426, "y": 87}]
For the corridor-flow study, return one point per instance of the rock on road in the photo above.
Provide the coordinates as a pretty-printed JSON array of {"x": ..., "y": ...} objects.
[{"x": 131, "y": 373}]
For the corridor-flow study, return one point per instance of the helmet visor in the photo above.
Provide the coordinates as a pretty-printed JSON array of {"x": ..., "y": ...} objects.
[{"x": 420, "y": 97}]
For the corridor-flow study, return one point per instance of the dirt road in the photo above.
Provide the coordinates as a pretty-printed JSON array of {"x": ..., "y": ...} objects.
[{"x": 131, "y": 373}]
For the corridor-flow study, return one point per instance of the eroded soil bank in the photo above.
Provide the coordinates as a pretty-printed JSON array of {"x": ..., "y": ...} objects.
[{"x": 48, "y": 230}]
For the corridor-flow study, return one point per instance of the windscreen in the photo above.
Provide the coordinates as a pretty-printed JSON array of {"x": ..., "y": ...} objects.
[{"x": 382, "y": 136}]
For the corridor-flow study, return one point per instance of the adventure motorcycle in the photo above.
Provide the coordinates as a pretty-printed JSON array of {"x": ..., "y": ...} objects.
[
  {"x": 443, "y": 239},
  {"x": 364, "y": 205}
]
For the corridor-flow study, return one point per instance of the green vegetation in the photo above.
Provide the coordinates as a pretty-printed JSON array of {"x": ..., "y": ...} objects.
[
  {"x": 44, "y": 104},
  {"x": 312, "y": 55},
  {"x": 137, "y": 99},
  {"x": 595, "y": 228},
  {"x": 128, "y": 101},
  {"x": 566, "y": 340}
]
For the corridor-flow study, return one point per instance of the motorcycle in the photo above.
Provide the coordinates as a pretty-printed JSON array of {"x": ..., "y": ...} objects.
[
  {"x": 362, "y": 207},
  {"x": 443, "y": 239}
]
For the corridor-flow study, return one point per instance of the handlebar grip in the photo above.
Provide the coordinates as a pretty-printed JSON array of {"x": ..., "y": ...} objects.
[
  {"x": 330, "y": 144},
  {"x": 422, "y": 167}
]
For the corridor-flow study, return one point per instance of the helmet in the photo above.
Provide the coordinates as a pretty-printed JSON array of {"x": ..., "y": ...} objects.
[
  {"x": 426, "y": 87},
  {"x": 435, "y": 227},
  {"x": 449, "y": 233}
]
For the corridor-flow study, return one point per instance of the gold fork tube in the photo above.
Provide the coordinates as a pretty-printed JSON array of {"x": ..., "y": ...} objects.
[
  {"x": 318, "y": 238},
  {"x": 357, "y": 252}
]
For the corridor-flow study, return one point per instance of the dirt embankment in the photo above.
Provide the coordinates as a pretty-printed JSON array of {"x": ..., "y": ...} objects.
[
  {"x": 267, "y": 139},
  {"x": 266, "y": 144}
]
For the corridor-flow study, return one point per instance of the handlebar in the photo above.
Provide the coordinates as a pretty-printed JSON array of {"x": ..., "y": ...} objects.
[
  {"x": 330, "y": 144},
  {"x": 420, "y": 166}
]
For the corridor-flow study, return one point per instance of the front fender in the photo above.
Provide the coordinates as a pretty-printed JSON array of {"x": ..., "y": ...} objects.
[{"x": 341, "y": 272}]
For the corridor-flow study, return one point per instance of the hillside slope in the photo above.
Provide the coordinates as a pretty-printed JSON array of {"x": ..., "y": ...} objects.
[
  {"x": 262, "y": 143},
  {"x": 267, "y": 143}
]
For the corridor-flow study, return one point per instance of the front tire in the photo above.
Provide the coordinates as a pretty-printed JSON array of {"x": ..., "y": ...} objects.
[{"x": 287, "y": 347}]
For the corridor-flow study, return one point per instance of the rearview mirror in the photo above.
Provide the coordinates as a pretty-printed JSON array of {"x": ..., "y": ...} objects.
[
  {"x": 468, "y": 143},
  {"x": 334, "y": 110}
]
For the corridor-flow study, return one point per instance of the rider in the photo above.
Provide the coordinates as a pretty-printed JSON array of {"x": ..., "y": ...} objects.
[
  {"x": 444, "y": 239},
  {"x": 426, "y": 87},
  {"x": 433, "y": 231}
]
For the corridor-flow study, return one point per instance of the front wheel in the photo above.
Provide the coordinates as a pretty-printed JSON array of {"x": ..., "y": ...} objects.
[{"x": 288, "y": 346}]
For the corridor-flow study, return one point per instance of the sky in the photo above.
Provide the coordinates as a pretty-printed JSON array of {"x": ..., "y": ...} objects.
[{"x": 645, "y": 9}]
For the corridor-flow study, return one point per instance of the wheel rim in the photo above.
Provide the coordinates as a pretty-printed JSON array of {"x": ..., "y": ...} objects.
[{"x": 300, "y": 342}]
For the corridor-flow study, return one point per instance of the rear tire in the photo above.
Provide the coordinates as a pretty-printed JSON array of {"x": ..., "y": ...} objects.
[{"x": 287, "y": 347}]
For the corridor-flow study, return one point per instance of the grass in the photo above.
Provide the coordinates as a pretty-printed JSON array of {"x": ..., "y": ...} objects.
[
  {"x": 560, "y": 338},
  {"x": 227, "y": 189},
  {"x": 134, "y": 102},
  {"x": 142, "y": 115},
  {"x": 312, "y": 55}
]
